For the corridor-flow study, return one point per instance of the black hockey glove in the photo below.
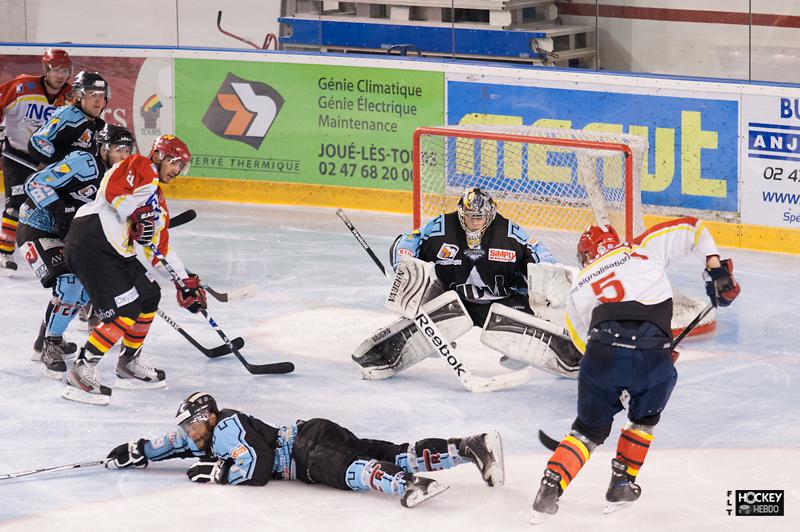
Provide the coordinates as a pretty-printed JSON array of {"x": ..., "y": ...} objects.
[
  {"x": 143, "y": 226},
  {"x": 127, "y": 455},
  {"x": 721, "y": 287},
  {"x": 191, "y": 295},
  {"x": 62, "y": 215},
  {"x": 208, "y": 470}
]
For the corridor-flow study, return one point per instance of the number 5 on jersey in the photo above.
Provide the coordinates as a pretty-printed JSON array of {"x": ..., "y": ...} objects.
[{"x": 609, "y": 289}]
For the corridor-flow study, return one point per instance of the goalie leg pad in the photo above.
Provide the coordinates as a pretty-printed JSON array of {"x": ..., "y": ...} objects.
[
  {"x": 531, "y": 340},
  {"x": 399, "y": 345}
]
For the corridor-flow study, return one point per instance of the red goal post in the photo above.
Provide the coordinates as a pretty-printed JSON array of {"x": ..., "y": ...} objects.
[{"x": 552, "y": 182}]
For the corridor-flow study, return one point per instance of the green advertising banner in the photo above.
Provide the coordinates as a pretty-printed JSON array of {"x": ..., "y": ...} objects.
[{"x": 331, "y": 125}]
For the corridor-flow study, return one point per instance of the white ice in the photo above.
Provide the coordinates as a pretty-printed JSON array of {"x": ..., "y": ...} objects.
[{"x": 732, "y": 423}]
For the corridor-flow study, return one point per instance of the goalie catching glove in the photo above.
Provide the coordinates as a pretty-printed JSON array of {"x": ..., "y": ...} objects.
[
  {"x": 143, "y": 226},
  {"x": 209, "y": 470},
  {"x": 127, "y": 455},
  {"x": 191, "y": 295},
  {"x": 721, "y": 287},
  {"x": 549, "y": 284}
]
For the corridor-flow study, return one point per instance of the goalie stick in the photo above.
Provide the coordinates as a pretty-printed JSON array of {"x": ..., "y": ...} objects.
[
  {"x": 214, "y": 352},
  {"x": 53, "y": 469},
  {"x": 439, "y": 342},
  {"x": 255, "y": 369},
  {"x": 552, "y": 443}
]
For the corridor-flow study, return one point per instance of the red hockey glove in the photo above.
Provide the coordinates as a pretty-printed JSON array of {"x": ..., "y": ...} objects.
[
  {"x": 191, "y": 295},
  {"x": 721, "y": 287},
  {"x": 143, "y": 225}
]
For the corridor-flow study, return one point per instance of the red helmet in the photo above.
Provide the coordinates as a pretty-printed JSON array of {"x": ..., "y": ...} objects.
[
  {"x": 171, "y": 147},
  {"x": 56, "y": 58},
  {"x": 595, "y": 242}
]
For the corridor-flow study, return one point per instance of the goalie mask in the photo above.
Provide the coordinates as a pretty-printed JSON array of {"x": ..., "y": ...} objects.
[
  {"x": 476, "y": 211},
  {"x": 595, "y": 242}
]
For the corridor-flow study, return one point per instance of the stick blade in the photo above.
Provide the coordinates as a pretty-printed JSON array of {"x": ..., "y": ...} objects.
[
  {"x": 499, "y": 382},
  {"x": 547, "y": 441},
  {"x": 276, "y": 368},
  {"x": 222, "y": 350}
]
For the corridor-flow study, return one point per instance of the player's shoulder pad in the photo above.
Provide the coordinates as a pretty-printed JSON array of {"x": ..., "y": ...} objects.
[
  {"x": 434, "y": 227},
  {"x": 68, "y": 115},
  {"x": 515, "y": 231},
  {"x": 81, "y": 164}
]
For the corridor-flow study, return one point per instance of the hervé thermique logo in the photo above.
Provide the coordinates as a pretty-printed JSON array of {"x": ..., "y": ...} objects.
[{"x": 243, "y": 110}]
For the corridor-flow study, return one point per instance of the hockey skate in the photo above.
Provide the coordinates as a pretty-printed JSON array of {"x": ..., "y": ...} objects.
[
  {"x": 546, "y": 502},
  {"x": 52, "y": 359},
  {"x": 622, "y": 492},
  {"x": 68, "y": 348},
  {"x": 420, "y": 489},
  {"x": 134, "y": 374},
  {"x": 486, "y": 452},
  {"x": 83, "y": 385},
  {"x": 7, "y": 263}
]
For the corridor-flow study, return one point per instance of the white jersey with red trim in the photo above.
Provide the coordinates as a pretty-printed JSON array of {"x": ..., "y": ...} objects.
[
  {"x": 635, "y": 272},
  {"x": 25, "y": 106},
  {"x": 128, "y": 185}
]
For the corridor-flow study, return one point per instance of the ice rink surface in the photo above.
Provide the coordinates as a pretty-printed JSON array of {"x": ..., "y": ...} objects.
[{"x": 733, "y": 422}]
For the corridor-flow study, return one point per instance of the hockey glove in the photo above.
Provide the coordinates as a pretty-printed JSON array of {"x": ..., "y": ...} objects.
[
  {"x": 127, "y": 455},
  {"x": 721, "y": 287},
  {"x": 208, "y": 470},
  {"x": 191, "y": 295},
  {"x": 143, "y": 225}
]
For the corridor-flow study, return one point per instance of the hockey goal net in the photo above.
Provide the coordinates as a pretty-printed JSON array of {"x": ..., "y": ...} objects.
[{"x": 552, "y": 182}]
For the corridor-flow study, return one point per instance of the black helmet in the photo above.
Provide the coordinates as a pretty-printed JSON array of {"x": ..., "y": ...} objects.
[
  {"x": 197, "y": 407},
  {"x": 87, "y": 82},
  {"x": 111, "y": 134}
]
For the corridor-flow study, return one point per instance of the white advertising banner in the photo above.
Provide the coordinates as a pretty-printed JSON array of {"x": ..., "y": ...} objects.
[{"x": 770, "y": 150}]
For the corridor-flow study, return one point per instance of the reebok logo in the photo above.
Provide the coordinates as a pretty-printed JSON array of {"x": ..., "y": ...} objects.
[
  {"x": 427, "y": 327},
  {"x": 243, "y": 110}
]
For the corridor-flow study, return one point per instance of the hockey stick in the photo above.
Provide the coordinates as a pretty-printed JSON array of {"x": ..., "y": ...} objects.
[
  {"x": 233, "y": 36},
  {"x": 255, "y": 369},
  {"x": 552, "y": 443},
  {"x": 214, "y": 352},
  {"x": 439, "y": 342},
  {"x": 53, "y": 469},
  {"x": 183, "y": 218},
  {"x": 243, "y": 292}
]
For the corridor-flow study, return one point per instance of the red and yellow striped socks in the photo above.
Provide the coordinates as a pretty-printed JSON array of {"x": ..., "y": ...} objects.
[
  {"x": 634, "y": 442},
  {"x": 570, "y": 456}
]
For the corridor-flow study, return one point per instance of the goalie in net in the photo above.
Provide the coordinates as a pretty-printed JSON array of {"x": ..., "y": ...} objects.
[{"x": 473, "y": 267}]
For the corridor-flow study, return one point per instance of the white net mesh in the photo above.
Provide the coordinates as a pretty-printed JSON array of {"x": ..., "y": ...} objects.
[
  {"x": 551, "y": 189},
  {"x": 552, "y": 182}
]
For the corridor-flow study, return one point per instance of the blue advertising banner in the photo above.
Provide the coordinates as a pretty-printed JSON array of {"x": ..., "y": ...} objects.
[{"x": 693, "y": 157}]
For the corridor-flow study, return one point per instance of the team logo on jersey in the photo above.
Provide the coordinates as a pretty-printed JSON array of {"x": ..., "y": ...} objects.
[
  {"x": 85, "y": 140},
  {"x": 243, "y": 110},
  {"x": 475, "y": 254},
  {"x": 447, "y": 252},
  {"x": 236, "y": 453},
  {"x": 502, "y": 255}
]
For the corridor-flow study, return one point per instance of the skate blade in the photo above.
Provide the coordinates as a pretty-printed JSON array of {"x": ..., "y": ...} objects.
[
  {"x": 72, "y": 393},
  {"x": 418, "y": 497},
  {"x": 376, "y": 374},
  {"x": 497, "y": 474},
  {"x": 612, "y": 507},
  {"x": 51, "y": 373},
  {"x": 36, "y": 357},
  {"x": 537, "y": 518},
  {"x": 134, "y": 384}
]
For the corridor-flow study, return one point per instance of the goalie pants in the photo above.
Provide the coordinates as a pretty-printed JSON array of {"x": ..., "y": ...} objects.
[
  {"x": 479, "y": 311},
  {"x": 117, "y": 285},
  {"x": 632, "y": 356}
]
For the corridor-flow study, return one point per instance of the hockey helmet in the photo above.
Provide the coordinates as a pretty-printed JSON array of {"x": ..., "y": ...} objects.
[
  {"x": 475, "y": 207},
  {"x": 596, "y": 241},
  {"x": 172, "y": 149},
  {"x": 86, "y": 82},
  {"x": 56, "y": 58},
  {"x": 111, "y": 134},
  {"x": 197, "y": 407}
]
